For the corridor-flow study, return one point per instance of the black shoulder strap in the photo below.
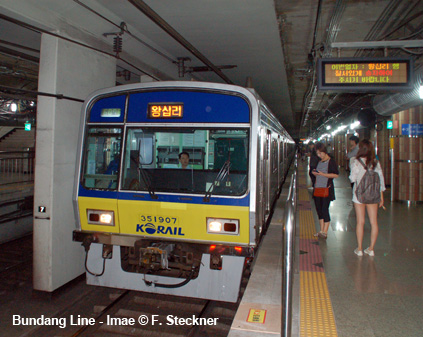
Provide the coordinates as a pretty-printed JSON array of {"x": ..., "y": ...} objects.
[{"x": 360, "y": 161}]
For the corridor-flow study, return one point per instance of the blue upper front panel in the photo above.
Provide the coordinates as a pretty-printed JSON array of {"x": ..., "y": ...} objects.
[
  {"x": 108, "y": 110},
  {"x": 198, "y": 107}
]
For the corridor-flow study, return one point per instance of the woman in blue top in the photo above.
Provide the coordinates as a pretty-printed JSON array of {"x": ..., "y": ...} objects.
[{"x": 325, "y": 172}]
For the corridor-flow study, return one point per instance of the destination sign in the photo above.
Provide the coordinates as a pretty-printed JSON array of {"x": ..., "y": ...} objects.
[
  {"x": 365, "y": 74},
  {"x": 165, "y": 110}
]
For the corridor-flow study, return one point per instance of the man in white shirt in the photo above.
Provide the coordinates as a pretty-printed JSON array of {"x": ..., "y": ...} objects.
[
  {"x": 184, "y": 160},
  {"x": 353, "y": 140}
]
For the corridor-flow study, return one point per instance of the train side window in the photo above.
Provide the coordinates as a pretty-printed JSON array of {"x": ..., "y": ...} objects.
[{"x": 102, "y": 158}]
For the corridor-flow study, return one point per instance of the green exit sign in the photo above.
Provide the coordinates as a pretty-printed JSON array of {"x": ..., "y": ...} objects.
[
  {"x": 389, "y": 125},
  {"x": 27, "y": 126}
]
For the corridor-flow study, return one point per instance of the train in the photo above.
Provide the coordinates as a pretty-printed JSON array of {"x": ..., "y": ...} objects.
[{"x": 149, "y": 223}]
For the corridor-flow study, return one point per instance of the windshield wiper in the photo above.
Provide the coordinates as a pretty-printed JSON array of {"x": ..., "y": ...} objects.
[
  {"x": 146, "y": 180},
  {"x": 224, "y": 171},
  {"x": 143, "y": 175}
]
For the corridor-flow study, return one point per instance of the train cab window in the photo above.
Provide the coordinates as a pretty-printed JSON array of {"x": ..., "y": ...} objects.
[
  {"x": 217, "y": 160},
  {"x": 102, "y": 158}
]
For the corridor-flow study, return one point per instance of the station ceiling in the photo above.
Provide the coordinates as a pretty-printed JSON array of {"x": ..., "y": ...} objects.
[{"x": 271, "y": 45}]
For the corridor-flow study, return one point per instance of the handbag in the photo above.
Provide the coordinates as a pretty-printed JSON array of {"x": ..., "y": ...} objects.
[{"x": 321, "y": 192}]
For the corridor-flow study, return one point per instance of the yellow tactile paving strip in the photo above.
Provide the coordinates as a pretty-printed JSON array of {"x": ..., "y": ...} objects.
[
  {"x": 303, "y": 195},
  {"x": 316, "y": 314},
  {"x": 307, "y": 228}
]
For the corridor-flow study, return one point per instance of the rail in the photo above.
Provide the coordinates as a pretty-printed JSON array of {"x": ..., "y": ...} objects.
[
  {"x": 289, "y": 253},
  {"x": 16, "y": 209},
  {"x": 16, "y": 166}
]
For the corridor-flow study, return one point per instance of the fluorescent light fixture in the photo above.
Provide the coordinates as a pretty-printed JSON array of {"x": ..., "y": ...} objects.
[
  {"x": 421, "y": 92},
  {"x": 355, "y": 125}
]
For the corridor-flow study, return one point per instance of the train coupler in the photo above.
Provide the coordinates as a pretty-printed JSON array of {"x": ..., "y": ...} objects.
[
  {"x": 216, "y": 261},
  {"x": 107, "y": 252}
]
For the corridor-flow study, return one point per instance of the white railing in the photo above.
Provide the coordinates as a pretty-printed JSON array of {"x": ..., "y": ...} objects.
[
  {"x": 289, "y": 253},
  {"x": 16, "y": 166}
]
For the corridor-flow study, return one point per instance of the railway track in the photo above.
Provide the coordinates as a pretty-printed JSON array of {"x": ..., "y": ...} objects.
[
  {"x": 15, "y": 263},
  {"x": 138, "y": 314},
  {"x": 105, "y": 312},
  {"x": 133, "y": 313}
]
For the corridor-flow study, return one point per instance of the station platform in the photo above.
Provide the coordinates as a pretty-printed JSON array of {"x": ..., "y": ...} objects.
[
  {"x": 337, "y": 293},
  {"x": 16, "y": 199}
]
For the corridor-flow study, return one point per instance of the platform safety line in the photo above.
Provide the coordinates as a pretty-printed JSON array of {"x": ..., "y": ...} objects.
[
  {"x": 303, "y": 195},
  {"x": 302, "y": 181},
  {"x": 307, "y": 226},
  {"x": 316, "y": 313}
]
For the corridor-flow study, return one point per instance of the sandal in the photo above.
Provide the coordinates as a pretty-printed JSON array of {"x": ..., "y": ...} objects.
[
  {"x": 322, "y": 235},
  {"x": 316, "y": 234}
]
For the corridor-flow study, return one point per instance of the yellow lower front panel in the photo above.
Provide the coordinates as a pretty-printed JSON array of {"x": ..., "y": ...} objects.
[
  {"x": 103, "y": 204},
  {"x": 180, "y": 220},
  {"x": 169, "y": 220}
]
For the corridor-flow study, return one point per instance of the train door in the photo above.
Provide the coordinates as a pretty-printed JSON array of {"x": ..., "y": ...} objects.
[
  {"x": 268, "y": 171},
  {"x": 284, "y": 164},
  {"x": 260, "y": 203},
  {"x": 139, "y": 159},
  {"x": 280, "y": 174}
]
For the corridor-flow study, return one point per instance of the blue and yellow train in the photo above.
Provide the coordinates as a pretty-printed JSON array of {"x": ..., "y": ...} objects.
[{"x": 149, "y": 224}]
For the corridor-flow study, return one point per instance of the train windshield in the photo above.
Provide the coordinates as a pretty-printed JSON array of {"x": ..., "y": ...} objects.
[
  {"x": 183, "y": 160},
  {"x": 102, "y": 158}
]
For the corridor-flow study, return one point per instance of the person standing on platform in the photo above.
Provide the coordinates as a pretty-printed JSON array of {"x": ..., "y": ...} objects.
[
  {"x": 353, "y": 140},
  {"x": 324, "y": 191},
  {"x": 314, "y": 160},
  {"x": 365, "y": 160}
]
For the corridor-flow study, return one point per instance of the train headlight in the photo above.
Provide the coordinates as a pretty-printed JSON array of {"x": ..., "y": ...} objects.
[
  {"x": 222, "y": 226},
  {"x": 98, "y": 217},
  {"x": 215, "y": 226}
]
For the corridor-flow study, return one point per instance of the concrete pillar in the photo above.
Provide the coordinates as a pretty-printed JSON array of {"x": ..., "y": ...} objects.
[{"x": 75, "y": 71}]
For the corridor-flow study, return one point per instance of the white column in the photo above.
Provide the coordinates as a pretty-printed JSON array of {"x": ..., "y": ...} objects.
[{"x": 75, "y": 71}]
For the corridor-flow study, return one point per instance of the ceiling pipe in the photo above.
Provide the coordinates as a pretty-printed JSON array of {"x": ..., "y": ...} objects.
[
  {"x": 143, "y": 7},
  {"x": 390, "y": 104}
]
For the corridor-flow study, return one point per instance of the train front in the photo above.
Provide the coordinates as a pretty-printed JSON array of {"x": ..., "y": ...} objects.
[{"x": 163, "y": 195}]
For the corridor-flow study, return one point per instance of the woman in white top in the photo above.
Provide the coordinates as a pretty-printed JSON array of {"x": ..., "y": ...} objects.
[{"x": 366, "y": 153}]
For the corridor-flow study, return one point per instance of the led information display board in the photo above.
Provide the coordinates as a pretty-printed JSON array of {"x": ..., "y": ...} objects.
[
  {"x": 365, "y": 74},
  {"x": 165, "y": 110}
]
